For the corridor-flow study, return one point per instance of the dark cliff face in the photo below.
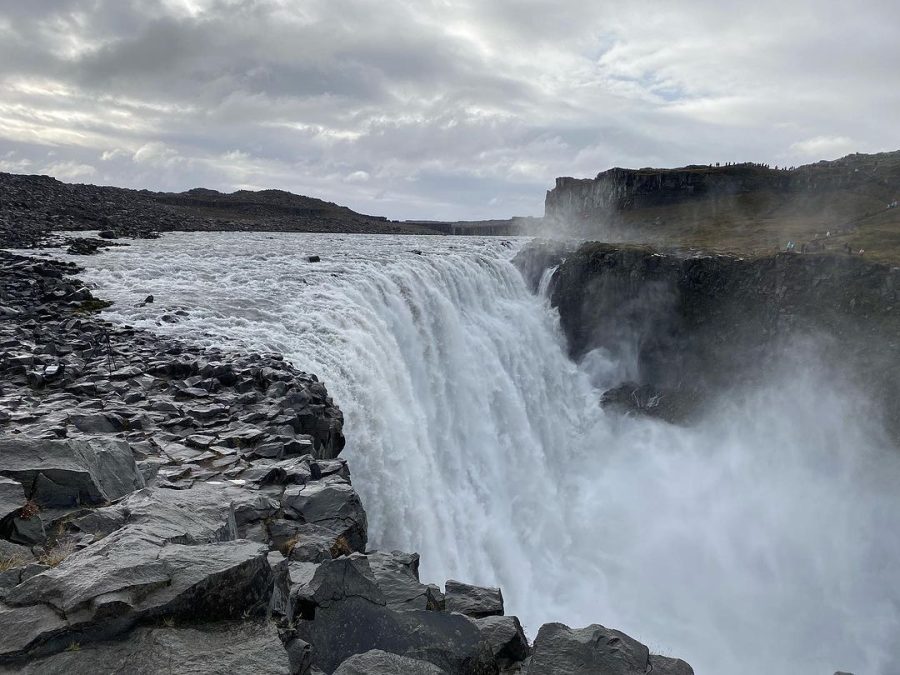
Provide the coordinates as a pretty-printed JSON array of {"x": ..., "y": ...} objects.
[
  {"x": 625, "y": 189},
  {"x": 746, "y": 208},
  {"x": 621, "y": 189},
  {"x": 700, "y": 325}
]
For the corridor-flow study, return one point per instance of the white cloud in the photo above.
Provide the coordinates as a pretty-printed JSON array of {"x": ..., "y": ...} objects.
[
  {"x": 155, "y": 154},
  {"x": 115, "y": 153},
  {"x": 70, "y": 171},
  {"x": 358, "y": 177},
  {"x": 824, "y": 146}
]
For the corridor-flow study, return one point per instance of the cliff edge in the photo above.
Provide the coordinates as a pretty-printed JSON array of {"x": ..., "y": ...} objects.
[{"x": 847, "y": 204}]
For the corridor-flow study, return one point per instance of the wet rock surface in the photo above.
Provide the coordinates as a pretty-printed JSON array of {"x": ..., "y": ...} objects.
[
  {"x": 690, "y": 314},
  {"x": 596, "y": 649},
  {"x": 165, "y": 507}
]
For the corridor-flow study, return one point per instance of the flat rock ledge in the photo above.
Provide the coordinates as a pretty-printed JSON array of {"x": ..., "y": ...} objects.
[{"x": 167, "y": 508}]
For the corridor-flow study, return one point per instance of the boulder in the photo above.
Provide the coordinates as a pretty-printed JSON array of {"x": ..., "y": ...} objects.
[
  {"x": 355, "y": 625},
  {"x": 128, "y": 577},
  {"x": 474, "y": 601},
  {"x": 332, "y": 504},
  {"x": 560, "y": 650},
  {"x": 305, "y": 542},
  {"x": 158, "y": 554},
  {"x": 377, "y": 662},
  {"x": 200, "y": 515},
  {"x": 397, "y": 575},
  {"x": 506, "y": 639},
  {"x": 23, "y": 626},
  {"x": 12, "y": 497},
  {"x": 664, "y": 665},
  {"x": 11, "y": 553},
  {"x": 58, "y": 473},
  {"x": 336, "y": 580},
  {"x": 236, "y": 648}
]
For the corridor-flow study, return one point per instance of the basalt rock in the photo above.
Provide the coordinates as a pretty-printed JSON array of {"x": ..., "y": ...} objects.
[
  {"x": 70, "y": 472},
  {"x": 681, "y": 319},
  {"x": 506, "y": 638},
  {"x": 377, "y": 662},
  {"x": 560, "y": 650},
  {"x": 474, "y": 601},
  {"x": 356, "y": 625},
  {"x": 239, "y": 648}
]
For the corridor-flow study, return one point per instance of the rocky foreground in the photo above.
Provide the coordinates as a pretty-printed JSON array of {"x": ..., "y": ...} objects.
[{"x": 165, "y": 508}]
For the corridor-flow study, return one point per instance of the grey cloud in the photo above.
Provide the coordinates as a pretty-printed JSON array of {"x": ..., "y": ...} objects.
[{"x": 451, "y": 108}]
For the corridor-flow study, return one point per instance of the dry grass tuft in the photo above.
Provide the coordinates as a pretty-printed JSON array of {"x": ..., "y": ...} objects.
[
  {"x": 340, "y": 547},
  {"x": 55, "y": 555}
]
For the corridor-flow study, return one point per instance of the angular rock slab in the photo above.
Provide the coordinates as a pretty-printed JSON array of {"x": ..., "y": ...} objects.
[
  {"x": 332, "y": 504},
  {"x": 355, "y": 626},
  {"x": 248, "y": 648},
  {"x": 506, "y": 638},
  {"x": 60, "y": 473},
  {"x": 397, "y": 575},
  {"x": 203, "y": 514},
  {"x": 163, "y": 553},
  {"x": 474, "y": 601},
  {"x": 665, "y": 665},
  {"x": 377, "y": 662},
  {"x": 12, "y": 497},
  {"x": 560, "y": 650}
]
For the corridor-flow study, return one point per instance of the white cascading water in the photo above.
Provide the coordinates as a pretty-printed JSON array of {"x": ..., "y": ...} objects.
[{"x": 762, "y": 540}]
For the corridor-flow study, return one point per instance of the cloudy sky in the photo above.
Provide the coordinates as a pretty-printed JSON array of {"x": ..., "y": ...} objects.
[{"x": 436, "y": 108}]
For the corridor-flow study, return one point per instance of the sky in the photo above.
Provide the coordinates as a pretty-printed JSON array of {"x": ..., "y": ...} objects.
[{"x": 436, "y": 109}]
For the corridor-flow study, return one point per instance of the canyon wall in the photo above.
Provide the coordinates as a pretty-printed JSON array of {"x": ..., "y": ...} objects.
[{"x": 696, "y": 325}]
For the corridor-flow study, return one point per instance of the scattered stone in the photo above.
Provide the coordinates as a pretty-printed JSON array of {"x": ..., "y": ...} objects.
[
  {"x": 474, "y": 601},
  {"x": 377, "y": 662},
  {"x": 596, "y": 649},
  {"x": 506, "y": 638},
  {"x": 331, "y": 505},
  {"x": 355, "y": 625},
  {"x": 12, "y": 497}
]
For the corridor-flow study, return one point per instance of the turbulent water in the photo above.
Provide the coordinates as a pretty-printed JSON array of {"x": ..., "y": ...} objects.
[{"x": 762, "y": 540}]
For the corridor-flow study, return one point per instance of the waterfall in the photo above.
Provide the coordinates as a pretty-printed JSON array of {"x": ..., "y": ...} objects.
[{"x": 762, "y": 539}]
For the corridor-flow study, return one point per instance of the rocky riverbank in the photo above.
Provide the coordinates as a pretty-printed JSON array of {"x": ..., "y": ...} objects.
[{"x": 170, "y": 508}]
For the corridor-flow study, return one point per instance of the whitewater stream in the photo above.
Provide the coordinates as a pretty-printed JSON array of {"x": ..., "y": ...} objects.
[{"x": 762, "y": 540}]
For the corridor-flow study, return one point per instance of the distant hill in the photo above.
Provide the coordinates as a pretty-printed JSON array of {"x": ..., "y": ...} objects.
[
  {"x": 745, "y": 208},
  {"x": 31, "y": 206}
]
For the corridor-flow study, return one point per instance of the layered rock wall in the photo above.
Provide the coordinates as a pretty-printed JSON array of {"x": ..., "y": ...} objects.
[
  {"x": 573, "y": 200},
  {"x": 699, "y": 324}
]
